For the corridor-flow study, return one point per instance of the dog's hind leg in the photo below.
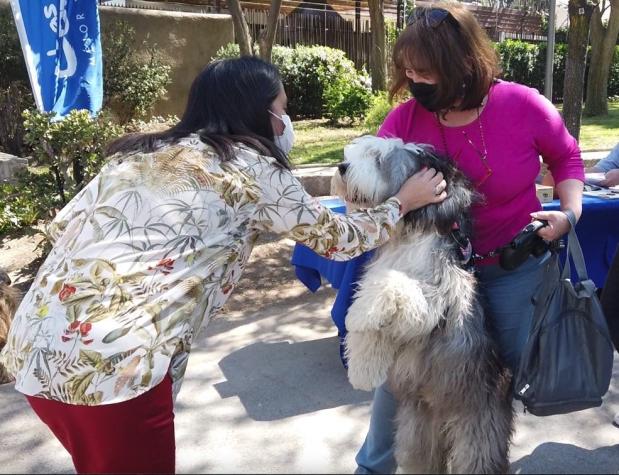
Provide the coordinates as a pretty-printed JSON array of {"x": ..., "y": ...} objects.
[
  {"x": 418, "y": 441},
  {"x": 479, "y": 440}
]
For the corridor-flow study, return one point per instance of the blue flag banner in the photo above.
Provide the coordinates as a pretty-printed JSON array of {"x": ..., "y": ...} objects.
[{"x": 62, "y": 47}]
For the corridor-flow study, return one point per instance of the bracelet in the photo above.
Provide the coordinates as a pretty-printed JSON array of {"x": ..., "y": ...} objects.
[{"x": 571, "y": 217}]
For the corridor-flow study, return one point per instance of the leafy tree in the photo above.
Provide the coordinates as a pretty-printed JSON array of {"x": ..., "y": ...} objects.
[{"x": 266, "y": 37}]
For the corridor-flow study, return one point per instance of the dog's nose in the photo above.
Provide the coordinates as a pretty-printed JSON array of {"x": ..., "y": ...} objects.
[{"x": 342, "y": 167}]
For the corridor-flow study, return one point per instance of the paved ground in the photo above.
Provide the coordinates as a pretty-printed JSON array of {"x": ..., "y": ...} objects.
[{"x": 268, "y": 394}]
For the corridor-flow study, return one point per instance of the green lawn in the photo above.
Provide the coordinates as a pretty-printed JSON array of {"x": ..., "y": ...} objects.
[
  {"x": 600, "y": 133},
  {"x": 319, "y": 144},
  {"x": 316, "y": 143}
]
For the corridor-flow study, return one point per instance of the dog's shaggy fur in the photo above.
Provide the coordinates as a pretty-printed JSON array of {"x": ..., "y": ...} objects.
[
  {"x": 9, "y": 298},
  {"x": 416, "y": 321}
]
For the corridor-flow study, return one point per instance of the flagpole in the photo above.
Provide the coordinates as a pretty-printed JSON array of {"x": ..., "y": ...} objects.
[{"x": 550, "y": 50}]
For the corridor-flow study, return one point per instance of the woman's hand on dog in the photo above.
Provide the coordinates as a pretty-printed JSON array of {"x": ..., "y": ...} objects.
[{"x": 423, "y": 188}]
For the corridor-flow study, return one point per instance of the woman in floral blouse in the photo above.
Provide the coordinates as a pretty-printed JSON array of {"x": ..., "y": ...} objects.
[{"x": 152, "y": 247}]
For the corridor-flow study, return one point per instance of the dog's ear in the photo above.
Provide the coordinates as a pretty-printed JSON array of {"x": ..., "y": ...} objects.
[
  {"x": 455, "y": 208},
  {"x": 399, "y": 165}
]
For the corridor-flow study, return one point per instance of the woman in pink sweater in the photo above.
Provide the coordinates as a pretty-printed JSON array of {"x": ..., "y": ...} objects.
[{"x": 495, "y": 131}]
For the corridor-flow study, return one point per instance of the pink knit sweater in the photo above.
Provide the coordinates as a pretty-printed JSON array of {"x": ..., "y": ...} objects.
[{"x": 518, "y": 125}]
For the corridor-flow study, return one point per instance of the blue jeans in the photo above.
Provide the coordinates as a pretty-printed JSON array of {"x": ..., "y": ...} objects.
[{"x": 509, "y": 311}]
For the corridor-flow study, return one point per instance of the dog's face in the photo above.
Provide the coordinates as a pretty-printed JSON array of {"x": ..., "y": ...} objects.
[{"x": 375, "y": 168}]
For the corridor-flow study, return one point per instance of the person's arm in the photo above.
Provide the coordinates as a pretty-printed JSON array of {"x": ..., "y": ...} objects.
[
  {"x": 561, "y": 152},
  {"x": 286, "y": 208},
  {"x": 610, "y": 167},
  {"x": 611, "y": 178}
]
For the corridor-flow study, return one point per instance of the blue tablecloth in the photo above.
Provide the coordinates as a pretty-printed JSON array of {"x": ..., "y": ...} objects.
[
  {"x": 597, "y": 230},
  {"x": 598, "y": 234}
]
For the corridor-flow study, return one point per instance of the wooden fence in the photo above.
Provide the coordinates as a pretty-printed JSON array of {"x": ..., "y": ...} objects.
[
  {"x": 345, "y": 24},
  {"x": 325, "y": 28}
]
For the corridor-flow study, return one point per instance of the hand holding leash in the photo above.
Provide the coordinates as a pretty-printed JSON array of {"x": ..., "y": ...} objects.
[{"x": 423, "y": 188}]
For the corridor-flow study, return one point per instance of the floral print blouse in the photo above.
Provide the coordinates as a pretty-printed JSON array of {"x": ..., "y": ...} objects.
[{"x": 146, "y": 253}]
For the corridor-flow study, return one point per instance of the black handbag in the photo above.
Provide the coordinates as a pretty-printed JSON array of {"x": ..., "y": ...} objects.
[{"x": 567, "y": 362}]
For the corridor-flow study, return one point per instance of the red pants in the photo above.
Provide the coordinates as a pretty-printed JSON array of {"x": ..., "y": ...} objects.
[{"x": 135, "y": 436}]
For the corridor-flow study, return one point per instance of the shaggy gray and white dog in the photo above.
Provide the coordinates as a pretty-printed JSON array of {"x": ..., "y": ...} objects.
[
  {"x": 416, "y": 320},
  {"x": 9, "y": 298}
]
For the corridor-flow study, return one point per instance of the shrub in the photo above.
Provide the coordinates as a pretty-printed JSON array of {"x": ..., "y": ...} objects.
[
  {"x": 525, "y": 63},
  {"x": 72, "y": 148},
  {"x": 520, "y": 62},
  {"x": 613, "y": 77},
  {"x": 155, "y": 124},
  {"x": 348, "y": 98},
  {"x": 13, "y": 101},
  {"x": 135, "y": 77},
  {"x": 379, "y": 109},
  {"x": 230, "y": 51},
  {"x": 307, "y": 72},
  {"x": 32, "y": 198}
]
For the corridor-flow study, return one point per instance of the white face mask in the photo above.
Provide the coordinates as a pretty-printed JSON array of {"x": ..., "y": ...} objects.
[{"x": 286, "y": 140}]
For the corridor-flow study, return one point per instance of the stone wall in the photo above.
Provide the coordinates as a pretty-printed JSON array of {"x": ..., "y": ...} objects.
[
  {"x": 186, "y": 40},
  {"x": 10, "y": 166}
]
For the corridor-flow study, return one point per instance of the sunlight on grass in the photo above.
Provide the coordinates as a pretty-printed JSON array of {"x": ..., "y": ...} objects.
[
  {"x": 600, "y": 133},
  {"x": 320, "y": 144},
  {"x": 317, "y": 143}
]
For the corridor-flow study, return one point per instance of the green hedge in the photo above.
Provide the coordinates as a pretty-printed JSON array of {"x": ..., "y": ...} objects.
[
  {"x": 525, "y": 63},
  {"x": 319, "y": 81},
  {"x": 309, "y": 72}
]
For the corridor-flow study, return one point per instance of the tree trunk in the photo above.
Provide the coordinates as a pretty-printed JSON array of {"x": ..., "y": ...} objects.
[
  {"x": 573, "y": 85},
  {"x": 378, "y": 63},
  {"x": 241, "y": 29},
  {"x": 267, "y": 35},
  {"x": 603, "y": 40}
]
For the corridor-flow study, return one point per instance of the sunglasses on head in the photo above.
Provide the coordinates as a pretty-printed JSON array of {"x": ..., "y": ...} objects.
[{"x": 433, "y": 17}]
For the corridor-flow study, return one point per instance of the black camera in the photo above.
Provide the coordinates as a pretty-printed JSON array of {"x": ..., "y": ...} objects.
[{"x": 526, "y": 243}]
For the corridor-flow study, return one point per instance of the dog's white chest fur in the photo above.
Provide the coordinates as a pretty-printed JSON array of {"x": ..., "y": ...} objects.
[{"x": 410, "y": 287}]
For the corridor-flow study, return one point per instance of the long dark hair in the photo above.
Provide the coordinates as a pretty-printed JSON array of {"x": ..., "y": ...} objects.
[{"x": 228, "y": 103}]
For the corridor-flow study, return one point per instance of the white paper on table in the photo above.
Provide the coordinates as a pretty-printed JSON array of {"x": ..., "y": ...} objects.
[{"x": 606, "y": 193}]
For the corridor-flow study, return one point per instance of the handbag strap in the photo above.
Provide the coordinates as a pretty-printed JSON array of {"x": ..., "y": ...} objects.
[{"x": 575, "y": 251}]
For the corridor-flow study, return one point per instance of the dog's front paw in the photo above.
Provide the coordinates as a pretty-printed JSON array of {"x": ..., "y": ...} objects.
[
  {"x": 369, "y": 355},
  {"x": 389, "y": 300}
]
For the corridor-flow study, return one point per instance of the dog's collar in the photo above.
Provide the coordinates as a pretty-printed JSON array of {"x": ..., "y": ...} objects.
[{"x": 464, "y": 247}]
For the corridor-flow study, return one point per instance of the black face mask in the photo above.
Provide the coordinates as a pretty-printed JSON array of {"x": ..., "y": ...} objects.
[{"x": 426, "y": 95}]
